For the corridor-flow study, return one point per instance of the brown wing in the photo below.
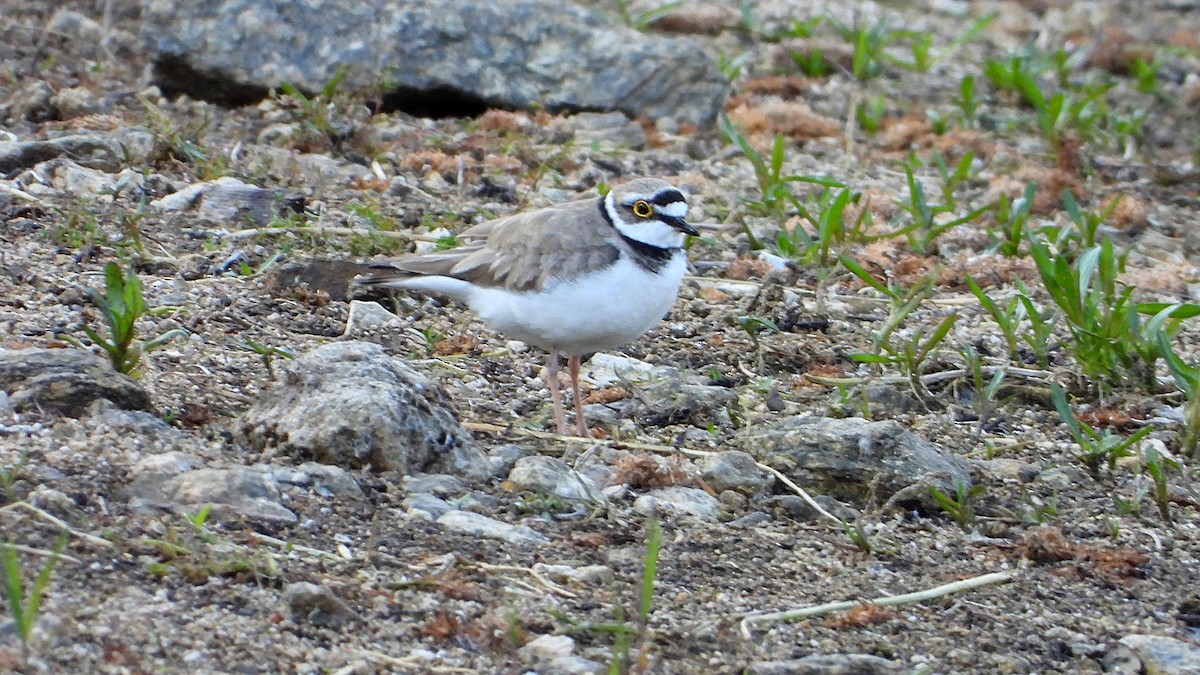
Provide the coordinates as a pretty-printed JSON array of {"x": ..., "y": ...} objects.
[{"x": 522, "y": 252}]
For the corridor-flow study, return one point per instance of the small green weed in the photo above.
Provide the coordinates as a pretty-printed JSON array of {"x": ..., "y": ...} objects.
[
  {"x": 1099, "y": 312},
  {"x": 1041, "y": 326},
  {"x": 198, "y": 520},
  {"x": 1096, "y": 449},
  {"x": 624, "y": 634},
  {"x": 959, "y": 506},
  {"x": 798, "y": 28},
  {"x": 858, "y": 534},
  {"x": 1187, "y": 378},
  {"x": 324, "y": 120},
  {"x": 180, "y": 139},
  {"x": 967, "y": 102},
  {"x": 875, "y": 45},
  {"x": 372, "y": 244},
  {"x": 22, "y": 607},
  {"x": 448, "y": 242},
  {"x": 926, "y": 221},
  {"x": 197, "y": 553},
  {"x": 77, "y": 227},
  {"x": 732, "y": 66},
  {"x": 1133, "y": 505},
  {"x": 775, "y": 186},
  {"x": 1008, "y": 318},
  {"x": 812, "y": 62},
  {"x": 754, "y": 325},
  {"x": 870, "y": 114},
  {"x": 8, "y": 477},
  {"x": 1040, "y": 513},
  {"x": 267, "y": 354},
  {"x": 869, "y": 45},
  {"x": 954, "y": 178},
  {"x": 1145, "y": 74},
  {"x": 122, "y": 305},
  {"x": 1086, "y": 223},
  {"x": 429, "y": 337},
  {"x": 831, "y": 228},
  {"x": 987, "y": 390},
  {"x": 910, "y": 355},
  {"x": 1012, "y": 222},
  {"x": 1079, "y": 109},
  {"x": 1019, "y": 310},
  {"x": 545, "y": 504},
  {"x": 1158, "y": 467},
  {"x": 128, "y": 224},
  {"x": 372, "y": 212}
]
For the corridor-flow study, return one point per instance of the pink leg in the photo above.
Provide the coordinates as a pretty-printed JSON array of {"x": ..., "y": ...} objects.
[
  {"x": 551, "y": 376},
  {"x": 580, "y": 422}
]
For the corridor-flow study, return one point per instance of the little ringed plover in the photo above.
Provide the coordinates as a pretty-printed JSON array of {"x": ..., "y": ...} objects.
[{"x": 575, "y": 278}]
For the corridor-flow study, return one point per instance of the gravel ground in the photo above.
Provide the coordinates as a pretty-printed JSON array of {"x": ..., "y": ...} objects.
[{"x": 140, "y": 589}]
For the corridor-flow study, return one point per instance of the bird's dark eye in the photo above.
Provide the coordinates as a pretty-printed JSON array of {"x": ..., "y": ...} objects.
[{"x": 642, "y": 209}]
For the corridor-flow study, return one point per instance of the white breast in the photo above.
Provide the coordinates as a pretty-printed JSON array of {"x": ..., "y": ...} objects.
[{"x": 593, "y": 313}]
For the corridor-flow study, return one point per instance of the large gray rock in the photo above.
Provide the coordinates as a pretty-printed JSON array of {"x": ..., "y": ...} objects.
[
  {"x": 92, "y": 151},
  {"x": 318, "y": 605},
  {"x": 553, "y": 476},
  {"x": 350, "y": 404},
  {"x": 675, "y": 401},
  {"x": 175, "y": 481},
  {"x": 443, "y": 56},
  {"x": 109, "y": 151},
  {"x": 733, "y": 470},
  {"x": 228, "y": 200},
  {"x": 66, "y": 380},
  {"x": 678, "y": 500},
  {"x": 660, "y": 395},
  {"x": 238, "y": 491},
  {"x": 333, "y": 277},
  {"x": 479, "y": 525},
  {"x": 854, "y": 460},
  {"x": 554, "y": 655},
  {"x": 1157, "y": 654}
]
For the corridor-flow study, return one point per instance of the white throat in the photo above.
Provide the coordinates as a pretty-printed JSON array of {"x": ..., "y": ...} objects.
[{"x": 653, "y": 232}]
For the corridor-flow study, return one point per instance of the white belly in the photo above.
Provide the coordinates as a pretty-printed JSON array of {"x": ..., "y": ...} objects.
[{"x": 591, "y": 314}]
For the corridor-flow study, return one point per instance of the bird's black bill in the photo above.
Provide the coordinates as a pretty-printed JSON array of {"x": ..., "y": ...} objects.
[{"x": 680, "y": 224}]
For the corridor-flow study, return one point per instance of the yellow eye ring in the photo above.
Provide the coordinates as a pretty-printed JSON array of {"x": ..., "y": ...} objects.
[{"x": 642, "y": 209}]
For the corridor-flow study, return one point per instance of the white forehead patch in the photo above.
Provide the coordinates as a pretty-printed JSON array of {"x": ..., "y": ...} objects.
[{"x": 674, "y": 209}]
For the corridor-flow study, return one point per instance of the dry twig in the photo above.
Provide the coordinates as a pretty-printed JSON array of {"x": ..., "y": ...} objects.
[
  {"x": 907, "y": 598},
  {"x": 58, "y": 522},
  {"x": 546, "y": 583}
]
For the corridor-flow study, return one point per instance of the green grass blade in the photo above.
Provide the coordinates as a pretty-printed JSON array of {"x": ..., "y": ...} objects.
[
  {"x": 871, "y": 358},
  {"x": 653, "y": 547},
  {"x": 1186, "y": 377},
  {"x": 1064, "y": 410},
  {"x": 135, "y": 303},
  {"x": 1183, "y": 310},
  {"x": 987, "y": 302},
  {"x": 936, "y": 339},
  {"x": 12, "y": 588},
  {"x": 37, "y": 591},
  {"x": 155, "y": 343},
  {"x": 866, "y": 277},
  {"x": 114, "y": 285},
  {"x": 1089, "y": 265}
]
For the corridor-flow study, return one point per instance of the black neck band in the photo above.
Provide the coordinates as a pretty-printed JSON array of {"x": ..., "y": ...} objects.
[{"x": 647, "y": 256}]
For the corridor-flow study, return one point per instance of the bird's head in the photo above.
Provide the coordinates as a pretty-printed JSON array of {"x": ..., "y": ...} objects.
[{"x": 650, "y": 211}]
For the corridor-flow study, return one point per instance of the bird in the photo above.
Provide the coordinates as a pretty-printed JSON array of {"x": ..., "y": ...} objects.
[{"x": 572, "y": 279}]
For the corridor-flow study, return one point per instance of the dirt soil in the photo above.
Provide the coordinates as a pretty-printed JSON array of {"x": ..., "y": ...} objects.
[{"x": 1093, "y": 559}]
